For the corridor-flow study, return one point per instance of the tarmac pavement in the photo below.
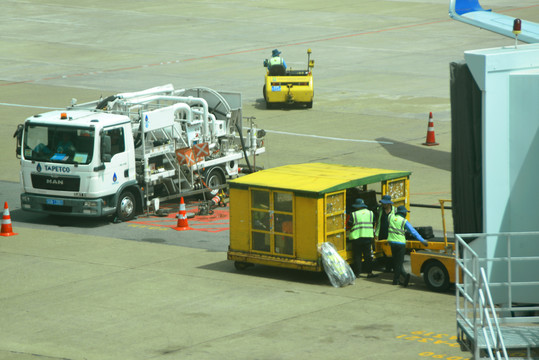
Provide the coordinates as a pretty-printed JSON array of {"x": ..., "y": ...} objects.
[{"x": 380, "y": 68}]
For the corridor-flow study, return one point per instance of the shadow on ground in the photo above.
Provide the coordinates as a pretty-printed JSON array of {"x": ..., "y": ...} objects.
[{"x": 427, "y": 155}]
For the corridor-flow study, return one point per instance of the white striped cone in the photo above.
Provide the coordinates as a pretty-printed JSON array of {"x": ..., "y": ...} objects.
[
  {"x": 182, "y": 224},
  {"x": 6, "y": 223},
  {"x": 431, "y": 141}
]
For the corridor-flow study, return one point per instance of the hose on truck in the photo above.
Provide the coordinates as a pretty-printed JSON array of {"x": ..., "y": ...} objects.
[{"x": 243, "y": 148}]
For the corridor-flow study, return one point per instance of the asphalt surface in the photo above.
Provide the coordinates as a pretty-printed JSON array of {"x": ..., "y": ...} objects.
[{"x": 90, "y": 289}]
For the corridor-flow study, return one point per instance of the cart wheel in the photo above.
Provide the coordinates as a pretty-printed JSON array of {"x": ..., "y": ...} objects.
[
  {"x": 310, "y": 105},
  {"x": 240, "y": 265},
  {"x": 436, "y": 276}
]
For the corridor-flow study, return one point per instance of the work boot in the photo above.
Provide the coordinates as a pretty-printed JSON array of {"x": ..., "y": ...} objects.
[{"x": 406, "y": 280}]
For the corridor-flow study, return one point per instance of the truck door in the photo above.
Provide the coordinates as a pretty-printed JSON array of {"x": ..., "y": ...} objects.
[{"x": 117, "y": 172}]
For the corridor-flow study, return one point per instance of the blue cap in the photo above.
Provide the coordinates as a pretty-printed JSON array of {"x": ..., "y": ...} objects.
[
  {"x": 275, "y": 52},
  {"x": 401, "y": 210},
  {"x": 359, "y": 204},
  {"x": 386, "y": 199}
]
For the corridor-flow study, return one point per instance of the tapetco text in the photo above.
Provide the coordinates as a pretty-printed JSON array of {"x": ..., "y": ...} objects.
[{"x": 56, "y": 168}]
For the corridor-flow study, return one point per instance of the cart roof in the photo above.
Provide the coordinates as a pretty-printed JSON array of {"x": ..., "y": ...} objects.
[{"x": 315, "y": 179}]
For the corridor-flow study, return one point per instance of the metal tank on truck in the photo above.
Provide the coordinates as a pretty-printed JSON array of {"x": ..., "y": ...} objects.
[{"x": 123, "y": 154}]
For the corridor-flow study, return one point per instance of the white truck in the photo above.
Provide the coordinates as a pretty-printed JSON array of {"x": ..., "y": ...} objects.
[{"x": 124, "y": 154}]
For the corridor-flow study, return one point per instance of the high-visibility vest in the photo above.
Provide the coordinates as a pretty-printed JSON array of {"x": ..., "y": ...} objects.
[
  {"x": 276, "y": 60},
  {"x": 362, "y": 224},
  {"x": 395, "y": 232},
  {"x": 380, "y": 211}
]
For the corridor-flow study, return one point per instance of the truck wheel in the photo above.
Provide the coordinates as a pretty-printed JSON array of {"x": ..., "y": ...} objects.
[
  {"x": 125, "y": 208},
  {"x": 436, "y": 276},
  {"x": 215, "y": 178}
]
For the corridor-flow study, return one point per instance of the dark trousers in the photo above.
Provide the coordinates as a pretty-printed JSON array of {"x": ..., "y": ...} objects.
[
  {"x": 397, "y": 253},
  {"x": 362, "y": 249}
]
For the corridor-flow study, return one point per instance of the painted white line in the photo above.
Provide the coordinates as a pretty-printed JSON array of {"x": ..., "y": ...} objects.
[
  {"x": 268, "y": 131},
  {"x": 328, "y": 137}
]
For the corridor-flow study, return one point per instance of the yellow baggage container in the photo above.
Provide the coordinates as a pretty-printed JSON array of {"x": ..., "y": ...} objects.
[{"x": 279, "y": 216}]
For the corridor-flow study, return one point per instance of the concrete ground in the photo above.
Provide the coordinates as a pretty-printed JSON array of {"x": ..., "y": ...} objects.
[{"x": 380, "y": 67}]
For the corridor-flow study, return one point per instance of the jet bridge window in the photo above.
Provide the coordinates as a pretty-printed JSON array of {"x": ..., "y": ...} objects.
[{"x": 272, "y": 222}]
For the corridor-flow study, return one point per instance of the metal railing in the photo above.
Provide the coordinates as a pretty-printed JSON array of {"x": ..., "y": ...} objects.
[{"x": 477, "y": 313}]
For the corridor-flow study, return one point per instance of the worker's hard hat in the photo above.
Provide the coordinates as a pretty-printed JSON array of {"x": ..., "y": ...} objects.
[
  {"x": 275, "y": 52},
  {"x": 401, "y": 210},
  {"x": 359, "y": 204},
  {"x": 386, "y": 199}
]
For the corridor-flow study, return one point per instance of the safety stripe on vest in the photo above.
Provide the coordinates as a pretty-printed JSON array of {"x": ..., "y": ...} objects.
[
  {"x": 361, "y": 225},
  {"x": 397, "y": 232}
]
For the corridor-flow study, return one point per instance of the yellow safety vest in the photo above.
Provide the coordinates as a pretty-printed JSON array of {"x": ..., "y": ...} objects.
[
  {"x": 277, "y": 60},
  {"x": 395, "y": 232},
  {"x": 362, "y": 224}
]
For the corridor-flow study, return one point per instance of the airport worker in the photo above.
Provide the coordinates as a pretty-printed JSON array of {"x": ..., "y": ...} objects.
[
  {"x": 362, "y": 236},
  {"x": 276, "y": 62},
  {"x": 384, "y": 210},
  {"x": 397, "y": 240}
]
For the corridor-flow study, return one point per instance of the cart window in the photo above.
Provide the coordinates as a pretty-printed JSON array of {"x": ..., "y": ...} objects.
[
  {"x": 284, "y": 245},
  {"x": 261, "y": 241},
  {"x": 282, "y": 201},
  {"x": 260, "y": 199},
  {"x": 398, "y": 189},
  {"x": 272, "y": 222},
  {"x": 335, "y": 224}
]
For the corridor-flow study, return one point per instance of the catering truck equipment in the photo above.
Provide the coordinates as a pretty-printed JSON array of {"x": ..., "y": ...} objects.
[
  {"x": 125, "y": 153},
  {"x": 288, "y": 86}
]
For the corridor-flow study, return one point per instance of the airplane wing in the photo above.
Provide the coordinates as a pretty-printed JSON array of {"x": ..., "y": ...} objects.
[{"x": 471, "y": 12}]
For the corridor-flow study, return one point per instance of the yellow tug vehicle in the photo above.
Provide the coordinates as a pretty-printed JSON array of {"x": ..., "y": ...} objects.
[{"x": 287, "y": 86}]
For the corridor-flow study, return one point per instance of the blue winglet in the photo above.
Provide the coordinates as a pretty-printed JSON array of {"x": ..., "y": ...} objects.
[
  {"x": 470, "y": 12},
  {"x": 466, "y": 6}
]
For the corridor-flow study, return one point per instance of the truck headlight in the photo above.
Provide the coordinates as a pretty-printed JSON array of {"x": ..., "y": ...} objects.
[{"x": 90, "y": 204}]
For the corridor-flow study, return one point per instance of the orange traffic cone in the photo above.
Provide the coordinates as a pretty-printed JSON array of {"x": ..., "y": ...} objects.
[
  {"x": 430, "y": 133},
  {"x": 182, "y": 218},
  {"x": 6, "y": 223}
]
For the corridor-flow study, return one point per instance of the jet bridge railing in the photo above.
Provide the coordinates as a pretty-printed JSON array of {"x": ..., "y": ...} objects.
[{"x": 486, "y": 327}]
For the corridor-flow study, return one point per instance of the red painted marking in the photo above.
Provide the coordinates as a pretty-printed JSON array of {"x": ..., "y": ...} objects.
[{"x": 214, "y": 223}]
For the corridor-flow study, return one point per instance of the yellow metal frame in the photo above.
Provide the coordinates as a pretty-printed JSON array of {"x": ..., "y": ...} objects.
[{"x": 443, "y": 252}]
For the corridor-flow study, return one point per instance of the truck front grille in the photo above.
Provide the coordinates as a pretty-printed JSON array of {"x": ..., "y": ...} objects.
[{"x": 55, "y": 182}]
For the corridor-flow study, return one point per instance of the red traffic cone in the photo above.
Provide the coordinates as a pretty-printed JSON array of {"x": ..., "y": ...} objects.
[
  {"x": 6, "y": 223},
  {"x": 431, "y": 141},
  {"x": 182, "y": 218}
]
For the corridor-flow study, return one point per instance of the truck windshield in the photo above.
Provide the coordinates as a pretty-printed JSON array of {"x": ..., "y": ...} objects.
[{"x": 62, "y": 144}]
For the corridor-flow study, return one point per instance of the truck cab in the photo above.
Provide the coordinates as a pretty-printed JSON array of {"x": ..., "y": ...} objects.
[{"x": 78, "y": 162}]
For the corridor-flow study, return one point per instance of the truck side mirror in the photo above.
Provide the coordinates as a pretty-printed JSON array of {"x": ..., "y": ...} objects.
[
  {"x": 105, "y": 148},
  {"x": 18, "y": 136}
]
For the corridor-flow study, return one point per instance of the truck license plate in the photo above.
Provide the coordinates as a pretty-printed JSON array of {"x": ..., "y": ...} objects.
[{"x": 55, "y": 202}]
